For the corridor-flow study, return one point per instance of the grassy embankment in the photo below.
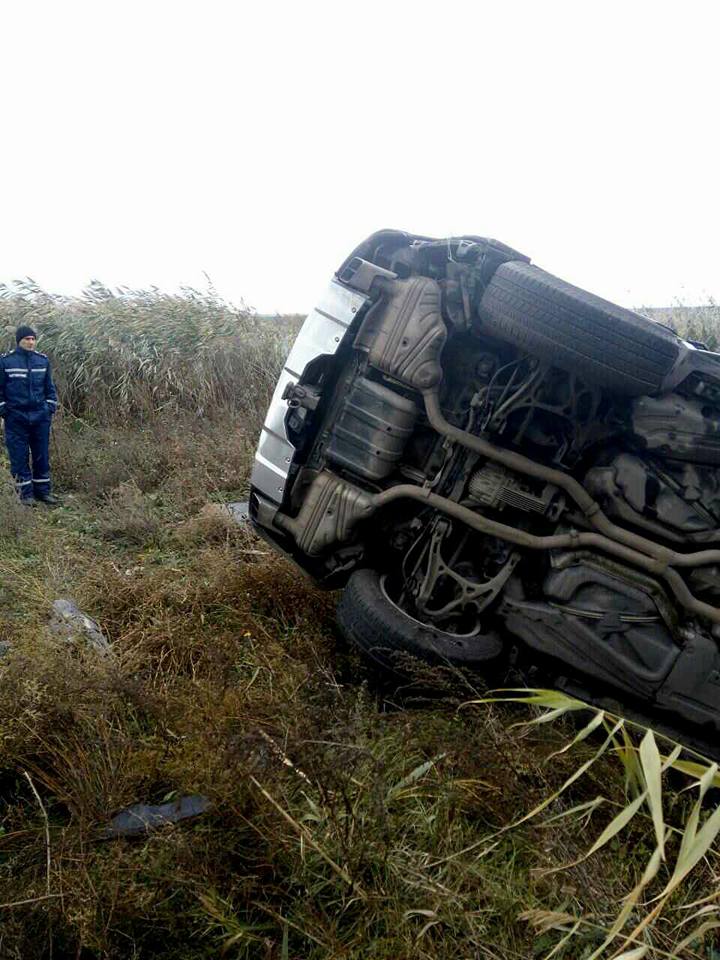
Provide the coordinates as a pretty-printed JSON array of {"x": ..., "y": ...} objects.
[{"x": 341, "y": 826}]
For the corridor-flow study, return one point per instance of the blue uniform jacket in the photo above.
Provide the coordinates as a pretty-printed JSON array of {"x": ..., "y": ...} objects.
[{"x": 27, "y": 390}]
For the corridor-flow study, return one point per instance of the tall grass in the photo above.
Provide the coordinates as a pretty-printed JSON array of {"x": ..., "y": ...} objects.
[
  {"x": 701, "y": 323},
  {"x": 676, "y": 846},
  {"x": 127, "y": 353}
]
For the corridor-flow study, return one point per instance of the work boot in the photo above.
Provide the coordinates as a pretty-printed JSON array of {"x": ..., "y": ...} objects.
[
  {"x": 50, "y": 500},
  {"x": 27, "y": 502}
]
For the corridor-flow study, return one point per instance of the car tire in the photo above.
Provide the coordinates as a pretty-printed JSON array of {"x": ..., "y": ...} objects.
[
  {"x": 369, "y": 619},
  {"x": 606, "y": 345}
]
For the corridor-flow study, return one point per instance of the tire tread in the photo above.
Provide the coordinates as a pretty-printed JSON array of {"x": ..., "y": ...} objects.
[
  {"x": 379, "y": 629},
  {"x": 604, "y": 343}
]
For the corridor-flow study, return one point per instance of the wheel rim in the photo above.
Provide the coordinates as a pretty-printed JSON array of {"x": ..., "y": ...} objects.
[{"x": 421, "y": 623}]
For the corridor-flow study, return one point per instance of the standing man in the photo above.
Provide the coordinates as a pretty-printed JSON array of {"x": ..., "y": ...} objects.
[{"x": 27, "y": 402}]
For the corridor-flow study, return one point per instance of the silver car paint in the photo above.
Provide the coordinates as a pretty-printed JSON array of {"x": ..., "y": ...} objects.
[{"x": 321, "y": 334}]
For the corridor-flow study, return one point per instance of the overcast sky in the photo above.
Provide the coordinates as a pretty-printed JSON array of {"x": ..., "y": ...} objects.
[{"x": 152, "y": 142}]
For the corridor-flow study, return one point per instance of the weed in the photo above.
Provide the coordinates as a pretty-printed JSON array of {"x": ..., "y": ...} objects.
[{"x": 13, "y": 516}]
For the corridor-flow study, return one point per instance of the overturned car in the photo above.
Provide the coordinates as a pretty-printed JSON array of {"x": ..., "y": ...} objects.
[{"x": 494, "y": 463}]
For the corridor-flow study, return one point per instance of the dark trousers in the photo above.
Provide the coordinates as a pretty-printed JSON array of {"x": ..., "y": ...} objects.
[{"x": 24, "y": 438}]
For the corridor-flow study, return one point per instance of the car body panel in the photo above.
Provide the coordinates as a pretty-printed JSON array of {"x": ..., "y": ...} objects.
[{"x": 320, "y": 335}]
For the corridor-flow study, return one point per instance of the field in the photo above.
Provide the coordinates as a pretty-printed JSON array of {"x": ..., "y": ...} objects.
[{"x": 347, "y": 819}]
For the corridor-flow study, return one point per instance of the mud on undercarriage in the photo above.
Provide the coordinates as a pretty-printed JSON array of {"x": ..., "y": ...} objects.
[{"x": 487, "y": 457}]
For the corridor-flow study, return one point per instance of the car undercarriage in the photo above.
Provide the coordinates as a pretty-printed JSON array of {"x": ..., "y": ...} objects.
[{"x": 494, "y": 463}]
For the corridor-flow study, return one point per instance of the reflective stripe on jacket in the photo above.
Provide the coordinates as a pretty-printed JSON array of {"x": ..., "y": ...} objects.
[{"x": 26, "y": 384}]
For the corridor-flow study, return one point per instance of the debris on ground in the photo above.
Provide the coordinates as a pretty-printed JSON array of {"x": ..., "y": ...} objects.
[
  {"x": 141, "y": 818},
  {"x": 239, "y": 511},
  {"x": 69, "y": 623}
]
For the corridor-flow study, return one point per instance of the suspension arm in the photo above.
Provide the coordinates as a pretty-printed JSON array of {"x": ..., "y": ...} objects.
[
  {"x": 590, "y": 508},
  {"x": 572, "y": 541}
]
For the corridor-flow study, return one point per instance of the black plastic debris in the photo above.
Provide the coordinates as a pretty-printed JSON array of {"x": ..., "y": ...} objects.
[{"x": 141, "y": 818}]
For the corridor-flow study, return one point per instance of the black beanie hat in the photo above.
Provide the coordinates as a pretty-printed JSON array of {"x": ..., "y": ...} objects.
[{"x": 24, "y": 332}]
